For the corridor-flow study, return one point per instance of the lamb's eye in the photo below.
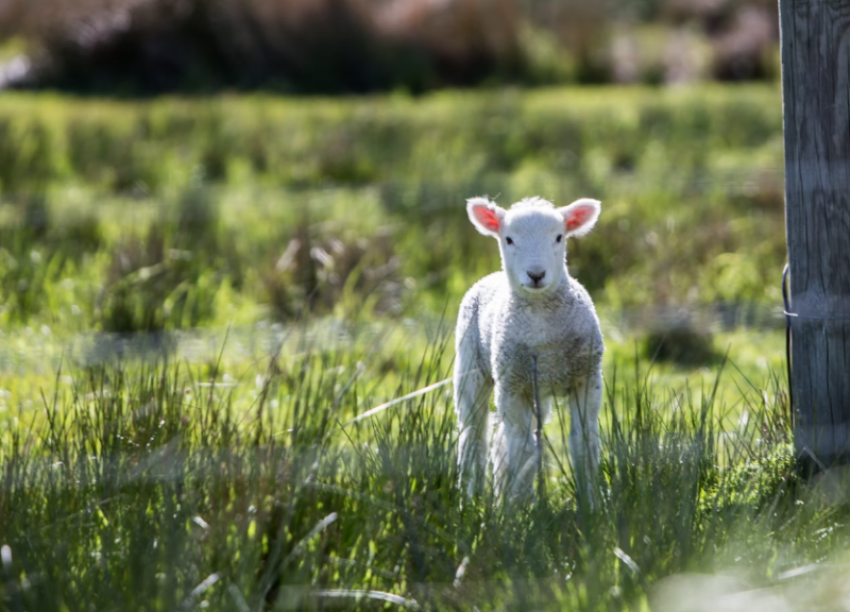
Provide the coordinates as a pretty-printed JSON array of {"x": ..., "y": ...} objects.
[
  {"x": 509, "y": 240},
  {"x": 558, "y": 239}
]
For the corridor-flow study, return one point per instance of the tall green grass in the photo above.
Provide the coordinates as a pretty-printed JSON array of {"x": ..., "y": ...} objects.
[{"x": 163, "y": 485}]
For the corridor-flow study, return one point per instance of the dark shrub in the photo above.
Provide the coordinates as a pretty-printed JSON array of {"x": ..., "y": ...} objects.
[
  {"x": 316, "y": 274},
  {"x": 684, "y": 345},
  {"x": 170, "y": 277},
  {"x": 333, "y": 46}
]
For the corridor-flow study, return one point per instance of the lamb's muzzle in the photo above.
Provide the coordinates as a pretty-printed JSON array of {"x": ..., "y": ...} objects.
[{"x": 536, "y": 276}]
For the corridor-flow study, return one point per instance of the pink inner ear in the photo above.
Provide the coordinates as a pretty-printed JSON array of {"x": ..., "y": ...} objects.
[
  {"x": 578, "y": 217},
  {"x": 486, "y": 217}
]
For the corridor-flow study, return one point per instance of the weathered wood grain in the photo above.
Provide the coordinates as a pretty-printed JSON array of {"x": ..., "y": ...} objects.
[{"x": 816, "y": 97}]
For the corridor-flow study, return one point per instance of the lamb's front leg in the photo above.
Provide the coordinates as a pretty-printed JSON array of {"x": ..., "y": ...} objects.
[
  {"x": 472, "y": 404},
  {"x": 585, "y": 404},
  {"x": 513, "y": 448}
]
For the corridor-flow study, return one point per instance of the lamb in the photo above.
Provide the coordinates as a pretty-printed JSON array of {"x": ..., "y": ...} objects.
[{"x": 531, "y": 307}]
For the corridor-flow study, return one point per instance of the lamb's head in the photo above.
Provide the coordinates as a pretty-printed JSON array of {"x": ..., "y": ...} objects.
[{"x": 532, "y": 237}]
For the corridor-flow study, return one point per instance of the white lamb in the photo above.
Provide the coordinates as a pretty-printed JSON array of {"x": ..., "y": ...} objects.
[{"x": 532, "y": 307}]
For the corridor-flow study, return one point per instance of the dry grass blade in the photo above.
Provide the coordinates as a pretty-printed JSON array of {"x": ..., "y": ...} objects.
[{"x": 412, "y": 395}]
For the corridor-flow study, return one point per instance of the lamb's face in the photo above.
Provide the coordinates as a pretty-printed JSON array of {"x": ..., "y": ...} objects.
[
  {"x": 532, "y": 237},
  {"x": 533, "y": 248}
]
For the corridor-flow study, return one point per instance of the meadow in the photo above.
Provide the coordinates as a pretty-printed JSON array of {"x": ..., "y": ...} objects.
[{"x": 198, "y": 297}]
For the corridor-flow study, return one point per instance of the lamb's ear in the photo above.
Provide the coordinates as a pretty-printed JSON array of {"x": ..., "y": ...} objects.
[
  {"x": 580, "y": 216},
  {"x": 485, "y": 215}
]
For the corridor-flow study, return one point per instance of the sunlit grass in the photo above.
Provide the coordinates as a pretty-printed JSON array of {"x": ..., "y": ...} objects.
[{"x": 690, "y": 181}]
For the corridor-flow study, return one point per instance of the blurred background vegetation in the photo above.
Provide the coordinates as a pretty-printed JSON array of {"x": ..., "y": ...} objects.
[
  {"x": 131, "y": 47},
  {"x": 123, "y": 210},
  {"x": 129, "y": 216}
]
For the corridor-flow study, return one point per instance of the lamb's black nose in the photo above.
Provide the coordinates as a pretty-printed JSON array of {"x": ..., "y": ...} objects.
[{"x": 536, "y": 276}]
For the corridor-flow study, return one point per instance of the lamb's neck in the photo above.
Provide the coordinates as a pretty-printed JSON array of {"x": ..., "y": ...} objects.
[{"x": 558, "y": 297}]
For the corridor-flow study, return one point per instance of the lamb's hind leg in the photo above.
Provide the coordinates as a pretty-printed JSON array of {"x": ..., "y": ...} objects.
[
  {"x": 585, "y": 404},
  {"x": 472, "y": 389}
]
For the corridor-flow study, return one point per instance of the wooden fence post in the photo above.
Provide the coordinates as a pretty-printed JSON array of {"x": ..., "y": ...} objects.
[{"x": 816, "y": 97}]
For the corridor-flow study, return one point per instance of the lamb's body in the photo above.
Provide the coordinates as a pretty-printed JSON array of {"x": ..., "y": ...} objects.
[
  {"x": 499, "y": 329},
  {"x": 504, "y": 330}
]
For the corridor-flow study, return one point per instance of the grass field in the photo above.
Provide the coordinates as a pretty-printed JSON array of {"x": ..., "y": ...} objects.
[
  {"x": 173, "y": 214},
  {"x": 198, "y": 296}
]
